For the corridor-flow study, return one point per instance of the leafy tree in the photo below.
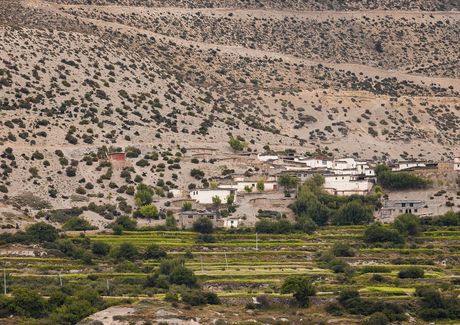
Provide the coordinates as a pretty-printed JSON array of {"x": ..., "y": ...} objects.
[
  {"x": 301, "y": 289},
  {"x": 260, "y": 185},
  {"x": 153, "y": 251},
  {"x": 117, "y": 229},
  {"x": 203, "y": 225},
  {"x": 124, "y": 252},
  {"x": 26, "y": 302},
  {"x": 187, "y": 206},
  {"x": 236, "y": 144},
  {"x": 248, "y": 188},
  {"x": 182, "y": 275},
  {"x": 216, "y": 201},
  {"x": 149, "y": 211},
  {"x": 194, "y": 298},
  {"x": 308, "y": 205},
  {"x": 230, "y": 199},
  {"x": 126, "y": 222},
  {"x": 213, "y": 185},
  {"x": 285, "y": 180},
  {"x": 73, "y": 311},
  {"x": 381, "y": 169},
  {"x": 376, "y": 233},
  {"x": 411, "y": 272},
  {"x": 100, "y": 248},
  {"x": 78, "y": 224},
  {"x": 449, "y": 219},
  {"x": 144, "y": 194},
  {"x": 401, "y": 180},
  {"x": 353, "y": 213},
  {"x": 43, "y": 232},
  {"x": 342, "y": 250},
  {"x": 171, "y": 223},
  {"x": 377, "y": 189},
  {"x": 407, "y": 224},
  {"x": 159, "y": 191}
]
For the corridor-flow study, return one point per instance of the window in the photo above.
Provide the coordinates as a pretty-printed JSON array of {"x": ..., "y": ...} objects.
[
  {"x": 324, "y": 162},
  {"x": 415, "y": 210},
  {"x": 411, "y": 204},
  {"x": 336, "y": 178},
  {"x": 400, "y": 211},
  {"x": 343, "y": 177},
  {"x": 403, "y": 205}
]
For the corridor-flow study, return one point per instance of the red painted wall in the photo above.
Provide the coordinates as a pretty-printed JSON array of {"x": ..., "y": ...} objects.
[{"x": 117, "y": 156}]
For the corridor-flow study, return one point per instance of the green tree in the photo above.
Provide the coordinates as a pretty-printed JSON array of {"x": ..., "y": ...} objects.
[
  {"x": 381, "y": 169},
  {"x": 341, "y": 249},
  {"x": 153, "y": 251},
  {"x": 216, "y": 201},
  {"x": 407, "y": 224},
  {"x": 230, "y": 199},
  {"x": 376, "y": 233},
  {"x": 301, "y": 289},
  {"x": 203, "y": 225},
  {"x": 260, "y": 185},
  {"x": 171, "y": 223},
  {"x": 236, "y": 144},
  {"x": 286, "y": 180},
  {"x": 149, "y": 211},
  {"x": 124, "y": 252},
  {"x": 126, "y": 222},
  {"x": 213, "y": 185},
  {"x": 144, "y": 194},
  {"x": 182, "y": 275},
  {"x": 308, "y": 205},
  {"x": 117, "y": 229},
  {"x": 248, "y": 188},
  {"x": 159, "y": 191},
  {"x": 100, "y": 248},
  {"x": 187, "y": 206},
  {"x": 43, "y": 232},
  {"x": 26, "y": 302},
  {"x": 353, "y": 213}
]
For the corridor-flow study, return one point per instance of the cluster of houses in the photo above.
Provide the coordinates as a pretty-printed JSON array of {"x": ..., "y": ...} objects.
[{"x": 343, "y": 177}]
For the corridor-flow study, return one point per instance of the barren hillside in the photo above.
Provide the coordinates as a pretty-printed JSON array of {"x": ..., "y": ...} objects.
[{"x": 342, "y": 78}]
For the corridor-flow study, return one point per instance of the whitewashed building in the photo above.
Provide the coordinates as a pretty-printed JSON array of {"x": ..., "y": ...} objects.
[
  {"x": 205, "y": 195},
  {"x": 407, "y": 164},
  {"x": 342, "y": 185}
]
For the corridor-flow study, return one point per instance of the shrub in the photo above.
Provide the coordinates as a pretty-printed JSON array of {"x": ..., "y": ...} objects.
[
  {"x": 171, "y": 297},
  {"x": 334, "y": 309},
  {"x": 70, "y": 171},
  {"x": 203, "y": 225},
  {"x": 412, "y": 272},
  {"x": 342, "y": 250},
  {"x": 377, "y": 233},
  {"x": 194, "y": 298}
]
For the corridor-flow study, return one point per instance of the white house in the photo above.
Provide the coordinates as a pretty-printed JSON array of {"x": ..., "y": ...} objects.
[
  {"x": 205, "y": 195},
  {"x": 408, "y": 164},
  {"x": 318, "y": 162},
  {"x": 342, "y": 185},
  {"x": 456, "y": 163},
  {"x": 231, "y": 222},
  {"x": 176, "y": 193},
  {"x": 268, "y": 185},
  {"x": 266, "y": 157}
]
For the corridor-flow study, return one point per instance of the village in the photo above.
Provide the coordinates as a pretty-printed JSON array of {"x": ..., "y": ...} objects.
[{"x": 342, "y": 177}]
